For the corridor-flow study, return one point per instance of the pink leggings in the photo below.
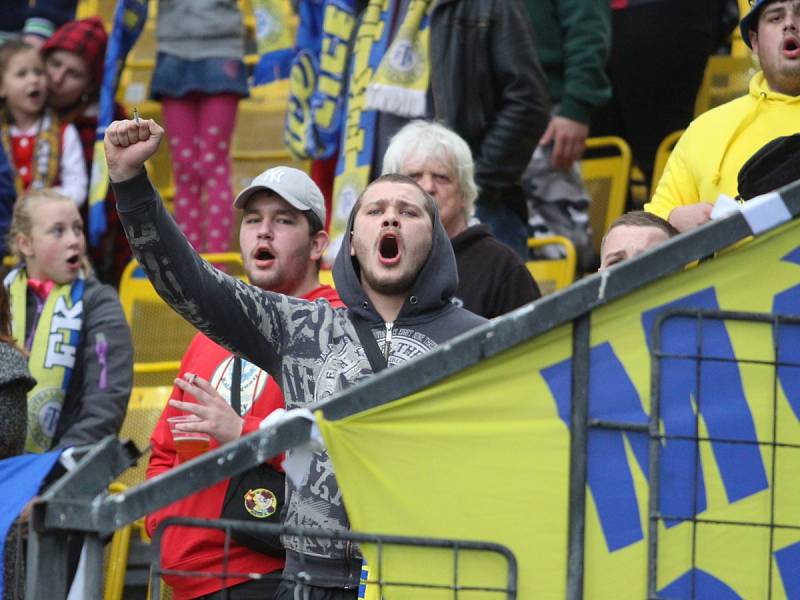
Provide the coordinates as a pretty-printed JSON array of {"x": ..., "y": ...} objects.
[{"x": 199, "y": 129}]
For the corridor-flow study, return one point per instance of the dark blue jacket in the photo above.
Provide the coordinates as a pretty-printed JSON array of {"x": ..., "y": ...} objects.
[
  {"x": 15, "y": 14},
  {"x": 8, "y": 196}
]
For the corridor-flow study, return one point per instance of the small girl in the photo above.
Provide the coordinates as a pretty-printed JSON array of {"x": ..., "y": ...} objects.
[
  {"x": 73, "y": 327},
  {"x": 42, "y": 151}
]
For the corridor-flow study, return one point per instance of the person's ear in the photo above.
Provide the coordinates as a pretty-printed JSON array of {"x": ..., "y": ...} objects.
[
  {"x": 24, "y": 245},
  {"x": 319, "y": 242},
  {"x": 754, "y": 41}
]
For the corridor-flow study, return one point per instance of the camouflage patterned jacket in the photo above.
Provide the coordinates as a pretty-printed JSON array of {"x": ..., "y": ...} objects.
[{"x": 309, "y": 347}]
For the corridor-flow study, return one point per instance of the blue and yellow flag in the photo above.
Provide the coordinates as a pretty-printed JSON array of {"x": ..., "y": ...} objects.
[
  {"x": 274, "y": 41},
  {"x": 129, "y": 19},
  {"x": 317, "y": 83},
  {"x": 485, "y": 453}
]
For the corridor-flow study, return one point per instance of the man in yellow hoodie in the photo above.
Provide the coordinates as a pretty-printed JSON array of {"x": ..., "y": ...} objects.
[{"x": 707, "y": 159}]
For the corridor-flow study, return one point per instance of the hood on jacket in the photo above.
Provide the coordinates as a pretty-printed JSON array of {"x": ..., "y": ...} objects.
[
  {"x": 760, "y": 91},
  {"x": 432, "y": 289}
]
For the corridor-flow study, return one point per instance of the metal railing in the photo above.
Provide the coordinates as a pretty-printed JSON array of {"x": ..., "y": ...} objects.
[{"x": 377, "y": 578}]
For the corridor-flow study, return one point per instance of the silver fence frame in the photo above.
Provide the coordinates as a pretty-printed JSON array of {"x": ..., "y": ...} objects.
[{"x": 457, "y": 547}]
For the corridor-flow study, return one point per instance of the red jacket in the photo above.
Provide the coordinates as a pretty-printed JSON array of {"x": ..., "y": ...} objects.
[{"x": 195, "y": 549}]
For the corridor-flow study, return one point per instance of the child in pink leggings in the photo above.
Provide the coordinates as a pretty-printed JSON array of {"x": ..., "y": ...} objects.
[{"x": 199, "y": 78}]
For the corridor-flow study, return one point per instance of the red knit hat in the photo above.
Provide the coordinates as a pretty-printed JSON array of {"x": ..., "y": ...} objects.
[{"x": 87, "y": 38}]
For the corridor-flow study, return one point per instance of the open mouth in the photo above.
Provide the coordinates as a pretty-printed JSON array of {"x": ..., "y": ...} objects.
[
  {"x": 35, "y": 94},
  {"x": 263, "y": 254},
  {"x": 74, "y": 260},
  {"x": 389, "y": 249},
  {"x": 791, "y": 47}
]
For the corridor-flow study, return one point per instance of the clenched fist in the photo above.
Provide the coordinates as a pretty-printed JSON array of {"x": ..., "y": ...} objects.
[{"x": 128, "y": 144}]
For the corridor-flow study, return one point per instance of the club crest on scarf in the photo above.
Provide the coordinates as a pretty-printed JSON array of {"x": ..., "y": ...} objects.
[{"x": 386, "y": 77}]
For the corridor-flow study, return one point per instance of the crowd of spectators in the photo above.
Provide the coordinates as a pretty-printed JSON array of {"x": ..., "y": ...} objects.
[{"x": 460, "y": 136}]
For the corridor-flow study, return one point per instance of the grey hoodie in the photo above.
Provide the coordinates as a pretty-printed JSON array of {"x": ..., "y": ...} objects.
[{"x": 309, "y": 347}]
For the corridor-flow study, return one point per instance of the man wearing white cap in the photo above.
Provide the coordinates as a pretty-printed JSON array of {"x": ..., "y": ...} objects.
[{"x": 281, "y": 240}]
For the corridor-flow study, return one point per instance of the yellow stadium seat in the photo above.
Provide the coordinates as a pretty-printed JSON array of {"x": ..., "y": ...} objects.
[
  {"x": 160, "y": 335},
  {"x": 606, "y": 173},
  {"x": 117, "y": 555},
  {"x": 665, "y": 148},
  {"x": 144, "y": 409},
  {"x": 273, "y": 95},
  {"x": 134, "y": 90},
  {"x": 725, "y": 78},
  {"x": 259, "y": 128},
  {"x": 258, "y": 141},
  {"x": 159, "y": 167},
  {"x": 143, "y": 52},
  {"x": 554, "y": 274},
  {"x": 102, "y": 8},
  {"x": 245, "y": 169}
]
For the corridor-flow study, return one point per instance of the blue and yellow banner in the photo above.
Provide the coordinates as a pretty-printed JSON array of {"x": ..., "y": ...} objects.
[
  {"x": 274, "y": 41},
  {"x": 129, "y": 19},
  {"x": 317, "y": 85},
  {"x": 485, "y": 454}
]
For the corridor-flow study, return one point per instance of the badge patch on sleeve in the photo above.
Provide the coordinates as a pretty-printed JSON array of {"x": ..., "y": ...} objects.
[{"x": 261, "y": 503}]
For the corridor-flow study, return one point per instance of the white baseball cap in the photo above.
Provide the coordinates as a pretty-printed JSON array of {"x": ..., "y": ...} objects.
[{"x": 293, "y": 185}]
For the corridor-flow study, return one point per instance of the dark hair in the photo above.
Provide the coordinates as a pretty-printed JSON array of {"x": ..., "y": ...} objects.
[
  {"x": 640, "y": 218},
  {"x": 430, "y": 203},
  {"x": 5, "y": 318},
  {"x": 754, "y": 20},
  {"x": 314, "y": 224},
  {"x": 314, "y": 227}
]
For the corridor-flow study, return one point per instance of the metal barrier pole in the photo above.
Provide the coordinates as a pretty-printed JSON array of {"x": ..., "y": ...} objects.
[
  {"x": 579, "y": 442},
  {"x": 93, "y": 582},
  {"x": 46, "y": 569}
]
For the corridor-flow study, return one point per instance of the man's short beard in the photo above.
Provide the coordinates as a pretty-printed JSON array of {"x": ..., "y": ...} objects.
[{"x": 391, "y": 288}]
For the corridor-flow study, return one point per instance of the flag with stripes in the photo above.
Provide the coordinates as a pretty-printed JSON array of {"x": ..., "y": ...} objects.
[{"x": 129, "y": 19}]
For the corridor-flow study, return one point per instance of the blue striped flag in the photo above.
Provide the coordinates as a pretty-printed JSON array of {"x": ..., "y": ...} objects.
[{"x": 129, "y": 19}]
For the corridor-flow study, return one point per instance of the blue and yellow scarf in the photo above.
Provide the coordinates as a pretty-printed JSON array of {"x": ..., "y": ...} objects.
[
  {"x": 389, "y": 78},
  {"x": 53, "y": 350}
]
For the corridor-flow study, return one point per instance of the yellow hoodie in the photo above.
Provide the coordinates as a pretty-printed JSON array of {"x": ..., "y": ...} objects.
[{"x": 706, "y": 161}]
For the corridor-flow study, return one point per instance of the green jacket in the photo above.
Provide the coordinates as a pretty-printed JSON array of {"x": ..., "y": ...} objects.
[{"x": 573, "y": 38}]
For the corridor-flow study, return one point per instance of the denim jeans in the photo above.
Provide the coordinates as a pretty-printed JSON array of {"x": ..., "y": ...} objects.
[{"x": 506, "y": 226}]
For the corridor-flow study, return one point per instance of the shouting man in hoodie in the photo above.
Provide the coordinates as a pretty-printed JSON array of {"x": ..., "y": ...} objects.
[
  {"x": 707, "y": 159},
  {"x": 395, "y": 273}
]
